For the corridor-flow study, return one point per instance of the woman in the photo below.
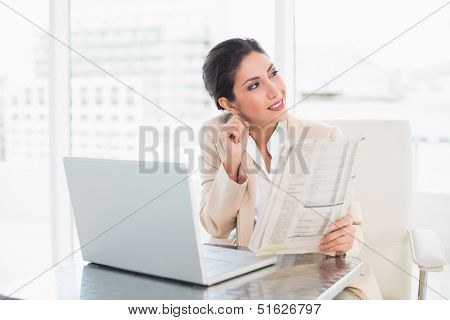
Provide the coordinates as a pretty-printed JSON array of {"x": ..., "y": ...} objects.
[{"x": 238, "y": 152}]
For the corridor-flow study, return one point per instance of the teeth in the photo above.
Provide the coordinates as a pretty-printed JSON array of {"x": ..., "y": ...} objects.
[{"x": 277, "y": 105}]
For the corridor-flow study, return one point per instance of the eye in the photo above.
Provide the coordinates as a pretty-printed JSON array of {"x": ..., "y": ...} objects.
[{"x": 252, "y": 86}]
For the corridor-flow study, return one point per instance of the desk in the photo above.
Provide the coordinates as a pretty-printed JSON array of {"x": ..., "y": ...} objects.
[{"x": 296, "y": 277}]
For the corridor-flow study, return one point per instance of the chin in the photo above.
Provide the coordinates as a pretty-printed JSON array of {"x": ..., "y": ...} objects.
[
  {"x": 274, "y": 119},
  {"x": 283, "y": 115}
]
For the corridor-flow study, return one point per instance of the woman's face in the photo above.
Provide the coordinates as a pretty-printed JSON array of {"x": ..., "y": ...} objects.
[{"x": 260, "y": 93}]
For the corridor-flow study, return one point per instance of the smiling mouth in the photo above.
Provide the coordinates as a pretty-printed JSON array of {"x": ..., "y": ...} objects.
[{"x": 277, "y": 106}]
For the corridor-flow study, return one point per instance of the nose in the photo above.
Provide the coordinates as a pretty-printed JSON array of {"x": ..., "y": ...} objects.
[{"x": 272, "y": 90}]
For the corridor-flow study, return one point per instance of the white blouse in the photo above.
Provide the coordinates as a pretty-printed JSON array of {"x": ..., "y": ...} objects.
[{"x": 262, "y": 186}]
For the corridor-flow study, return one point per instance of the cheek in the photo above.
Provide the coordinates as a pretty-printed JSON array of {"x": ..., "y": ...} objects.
[{"x": 253, "y": 104}]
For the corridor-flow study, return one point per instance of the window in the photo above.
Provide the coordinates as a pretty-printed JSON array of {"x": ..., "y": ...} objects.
[
  {"x": 408, "y": 79},
  {"x": 83, "y": 96},
  {"x": 24, "y": 176},
  {"x": 98, "y": 96},
  {"x": 114, "y": 96}
]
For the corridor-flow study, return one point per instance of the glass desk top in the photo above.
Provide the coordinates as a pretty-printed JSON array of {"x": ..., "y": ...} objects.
[{"x": 300, "y": 277}]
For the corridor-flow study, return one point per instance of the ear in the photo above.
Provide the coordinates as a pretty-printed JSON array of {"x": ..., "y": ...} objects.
[{"x": 227, "y": 105}]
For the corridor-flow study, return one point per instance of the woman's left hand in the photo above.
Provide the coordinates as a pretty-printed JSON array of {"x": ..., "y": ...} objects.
[{"x": 340, "y": 238}]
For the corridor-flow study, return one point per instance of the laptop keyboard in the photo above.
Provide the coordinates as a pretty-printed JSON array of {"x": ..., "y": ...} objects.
[
  {"x": 213, "y": 263},
  {"x": 211, "y": 259}
]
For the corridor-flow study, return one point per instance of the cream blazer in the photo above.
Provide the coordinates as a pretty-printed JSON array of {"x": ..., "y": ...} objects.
[{"x": 227, "y": 205}]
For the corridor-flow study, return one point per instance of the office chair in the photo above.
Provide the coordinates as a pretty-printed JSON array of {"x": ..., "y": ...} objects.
[{"x": 384, "y": 188}]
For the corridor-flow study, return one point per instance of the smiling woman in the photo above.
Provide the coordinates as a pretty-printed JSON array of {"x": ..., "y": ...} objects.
[{"x": 239, "y": 153}]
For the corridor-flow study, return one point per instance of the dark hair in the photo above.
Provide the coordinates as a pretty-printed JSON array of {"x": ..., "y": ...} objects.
[{"x": 222, "y": 61}]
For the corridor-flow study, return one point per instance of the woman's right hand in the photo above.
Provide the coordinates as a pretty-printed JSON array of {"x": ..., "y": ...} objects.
[{"x": 232, "y": 136}]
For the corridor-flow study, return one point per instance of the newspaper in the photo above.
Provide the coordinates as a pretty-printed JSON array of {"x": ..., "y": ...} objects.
[{"x": 311, "y": 191}]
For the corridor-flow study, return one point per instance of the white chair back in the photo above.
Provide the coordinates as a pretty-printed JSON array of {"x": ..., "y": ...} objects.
[{"x": 384, "y": 188}]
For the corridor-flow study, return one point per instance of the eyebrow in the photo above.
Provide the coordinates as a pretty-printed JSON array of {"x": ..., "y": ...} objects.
[{"x": 254, "y": 78}]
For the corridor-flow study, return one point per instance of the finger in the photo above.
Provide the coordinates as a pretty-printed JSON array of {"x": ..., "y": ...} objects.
[
  {"x": 233, "y": 130},
  {"x": 246, "y": 129},
  {"x": 339, "y": 245},
  {"x": 346, "y": 221},
  {"x": 332, "y": 243},
  {"x": 234, "y": 126},
  {"x": 243, "y": 127},
  {"x": 340, "y": 248},
  {"x": 349, "y": 230},
  {"x": 238, "y": 120},
  {"x": 230, "y": 134},
  {"x": 235, "y": 137},
  {"x": 333, "y": 236},
  {"x": 243, "y": 124},
  {"x": 336, "y": 242}
]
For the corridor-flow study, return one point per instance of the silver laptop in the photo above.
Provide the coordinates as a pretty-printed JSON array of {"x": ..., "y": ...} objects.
[{"x": 143, "y": 221}]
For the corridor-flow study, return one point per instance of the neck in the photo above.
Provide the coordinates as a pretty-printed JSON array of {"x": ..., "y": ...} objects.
[{"x": 262, "y": 135}]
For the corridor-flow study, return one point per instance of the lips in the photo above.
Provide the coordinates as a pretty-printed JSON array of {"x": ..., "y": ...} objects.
[{"x": 277, "y": 105}]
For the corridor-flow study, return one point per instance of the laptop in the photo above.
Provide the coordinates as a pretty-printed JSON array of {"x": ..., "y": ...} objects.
[{"x": 142, "y": 221}]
